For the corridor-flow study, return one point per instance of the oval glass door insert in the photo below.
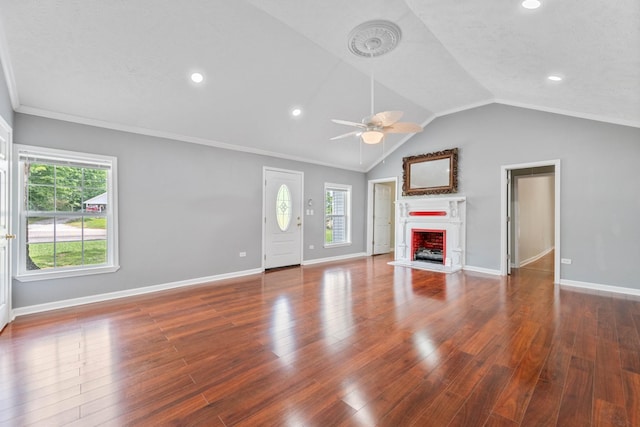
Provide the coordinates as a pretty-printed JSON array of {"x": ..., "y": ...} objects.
[{"x": 283, "y": 207}]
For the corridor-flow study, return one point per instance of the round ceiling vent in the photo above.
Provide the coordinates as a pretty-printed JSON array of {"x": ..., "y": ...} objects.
[{"x": 374, "y": 38}]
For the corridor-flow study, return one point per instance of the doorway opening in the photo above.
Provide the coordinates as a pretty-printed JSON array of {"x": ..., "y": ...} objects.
[
  {"x": 530, "y": 217},
  {"x": 381, "y": 223}
]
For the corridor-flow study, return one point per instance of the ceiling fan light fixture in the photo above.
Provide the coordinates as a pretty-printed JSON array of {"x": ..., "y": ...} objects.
[
  {"x": 531, "y": 4},
  {"x": 197, "y": 77},
  {"x": 372, "y": 136}
]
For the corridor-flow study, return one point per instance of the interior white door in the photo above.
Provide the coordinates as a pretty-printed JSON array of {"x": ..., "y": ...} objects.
[
  {"x": 5, "y": 236},
  {"x": 283, "y": 218},
  {"x": 381, "y": 219}
]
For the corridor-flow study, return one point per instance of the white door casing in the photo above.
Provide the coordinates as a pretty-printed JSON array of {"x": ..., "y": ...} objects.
[
  {"x": 5, "y": 221},
  {"x": 282, "y": 240},
  {"x": 391, "y": 181},
  {"x": 381, "y": 219},
  {"x": 504, "y": 229},
  {"x": 509, "y": 220}
]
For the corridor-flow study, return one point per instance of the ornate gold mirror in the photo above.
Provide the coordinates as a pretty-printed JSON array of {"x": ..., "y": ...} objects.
[{"x": 433, "y": 173}]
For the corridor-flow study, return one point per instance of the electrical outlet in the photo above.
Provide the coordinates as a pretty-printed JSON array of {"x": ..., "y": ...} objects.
[
  {"x": 311, "y": 247},
  {"x": 243, "y": 254},
  {"x": 565, "y": 261}
]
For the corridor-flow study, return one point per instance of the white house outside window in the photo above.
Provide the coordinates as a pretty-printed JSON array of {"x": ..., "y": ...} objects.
[
  {"x": 68, "y": 213},
  {"x": 337, "y": 214}
]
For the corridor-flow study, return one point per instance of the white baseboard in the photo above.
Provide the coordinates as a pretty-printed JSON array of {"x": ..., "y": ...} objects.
[
  {"x": 334, "y": 258},
  {"x": 482, "y": 270},
  {"x": 536, "y": 257},
  {"x": 38, "y": 308},
  {"x": 599, "y": 287}
]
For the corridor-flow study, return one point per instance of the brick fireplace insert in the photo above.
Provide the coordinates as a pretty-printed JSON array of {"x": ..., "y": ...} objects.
[{"x": 428, "y": 245}]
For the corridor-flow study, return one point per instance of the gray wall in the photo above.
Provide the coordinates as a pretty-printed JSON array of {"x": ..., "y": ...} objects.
[
  {"x": 185, "y": 210},
  {"x": 6, "y": 109},
  {"x": 600, "y": 194}
]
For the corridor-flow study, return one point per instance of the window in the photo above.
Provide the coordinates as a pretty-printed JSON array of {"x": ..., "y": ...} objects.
[
  {"x": 68, "y": 214},
  {"x": 337, "y": 216}
]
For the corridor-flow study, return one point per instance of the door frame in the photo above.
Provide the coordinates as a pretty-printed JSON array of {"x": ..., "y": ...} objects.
[
  {"x": 371, "y": 182},
  {"x": 264, "y": 210},
  {"x": 9, "y": 199},
  {"x": 504, "y": 224}
]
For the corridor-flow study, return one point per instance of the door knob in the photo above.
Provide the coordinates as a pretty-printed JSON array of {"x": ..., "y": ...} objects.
[{"x": 9, "y": 236}]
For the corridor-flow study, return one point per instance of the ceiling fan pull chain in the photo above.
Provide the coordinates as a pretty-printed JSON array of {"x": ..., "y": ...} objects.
[{"x": 360, "y": 145}]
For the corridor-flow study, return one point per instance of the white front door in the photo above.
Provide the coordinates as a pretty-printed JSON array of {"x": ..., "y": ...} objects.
[
  {"x": 282, "y": 218},
  {"x": 5, "y": 236},
  {"x": 381, "y": 219}
]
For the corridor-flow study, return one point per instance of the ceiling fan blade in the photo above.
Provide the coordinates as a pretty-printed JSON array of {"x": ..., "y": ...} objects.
[
  {"x": 403, "y": 127},
  {"x": 348, "y": 123},
  {"x": 387, "y": 118},
  {"x": 344, "y": 135}
]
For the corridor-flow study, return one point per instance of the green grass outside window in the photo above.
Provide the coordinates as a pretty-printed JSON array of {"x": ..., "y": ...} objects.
[{"x": 68, "y": 254}]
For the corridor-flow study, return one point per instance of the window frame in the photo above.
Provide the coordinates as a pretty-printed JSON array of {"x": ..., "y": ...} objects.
[
  {"x": 110, "y": 163},
  {"x": 347, "y": 215}
]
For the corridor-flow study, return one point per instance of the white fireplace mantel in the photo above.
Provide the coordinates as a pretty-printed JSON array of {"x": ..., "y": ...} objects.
[{"x": 434, "y": 213}]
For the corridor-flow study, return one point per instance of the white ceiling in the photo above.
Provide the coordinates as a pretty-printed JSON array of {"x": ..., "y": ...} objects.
[{"x": 125, "y": 65}]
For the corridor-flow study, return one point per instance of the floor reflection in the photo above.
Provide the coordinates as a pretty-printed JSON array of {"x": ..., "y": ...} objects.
[
  {"x": 424, "y": 345},
  {"x": 337, "y": 310},
  {"x": 282, "y": 335}
]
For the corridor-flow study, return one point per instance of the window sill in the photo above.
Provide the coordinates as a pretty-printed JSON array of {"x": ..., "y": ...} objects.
[
  {"x": 61, "y": 274},
  {"x": 336, "y": 245}
]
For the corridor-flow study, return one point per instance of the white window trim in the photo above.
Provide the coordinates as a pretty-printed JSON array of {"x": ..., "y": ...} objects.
[
  {"x": 112, "y": 264},
  {"x": 347, "y": 188}
]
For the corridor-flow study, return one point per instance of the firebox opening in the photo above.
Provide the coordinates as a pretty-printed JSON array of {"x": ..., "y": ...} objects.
[{"x": 429, "y": 245}]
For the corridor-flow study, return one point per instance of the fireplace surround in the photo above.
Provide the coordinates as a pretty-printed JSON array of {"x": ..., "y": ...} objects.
[{"x": 430, "y": 233}]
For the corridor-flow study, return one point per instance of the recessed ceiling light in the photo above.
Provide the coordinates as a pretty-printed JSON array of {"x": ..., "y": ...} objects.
[
  {"x": 531, "y": 4},
  {"x": 197, "y": 77},
  {"x": 554, "y": 78},
  {"x": 296, "y": 112}
]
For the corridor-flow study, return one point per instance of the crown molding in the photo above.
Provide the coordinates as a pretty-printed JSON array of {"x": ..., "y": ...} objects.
[
  {"x": 470, "y": 106},
  {"x": 587, "y": 116},
  {"x": 429, "y": 120},
  {"x": 169, "y": 135}
]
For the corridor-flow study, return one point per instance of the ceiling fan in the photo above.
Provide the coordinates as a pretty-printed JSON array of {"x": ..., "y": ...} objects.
[
  {"x": 371, "y": 39},
  {"x": 372, "y": 129}
]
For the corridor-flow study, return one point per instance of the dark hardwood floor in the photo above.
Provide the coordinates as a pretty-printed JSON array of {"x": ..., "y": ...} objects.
[
  {"x": 350, "y": 343},
  {"x": 546, "y": 263}
]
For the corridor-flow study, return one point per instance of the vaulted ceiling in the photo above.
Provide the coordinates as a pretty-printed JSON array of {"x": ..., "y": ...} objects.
[{"x": 126, "y": 65}]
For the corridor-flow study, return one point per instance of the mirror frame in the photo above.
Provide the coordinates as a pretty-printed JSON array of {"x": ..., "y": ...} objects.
[{"x": 452, "y": 187}]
